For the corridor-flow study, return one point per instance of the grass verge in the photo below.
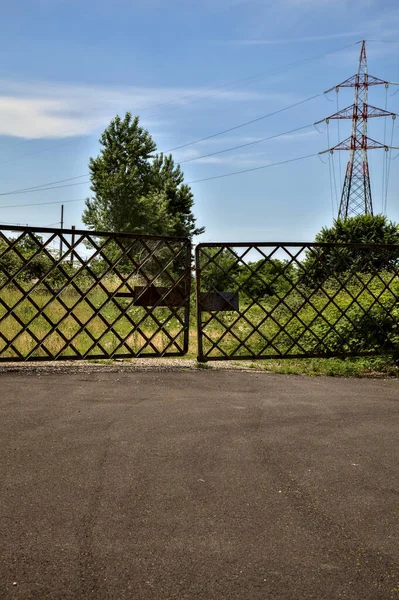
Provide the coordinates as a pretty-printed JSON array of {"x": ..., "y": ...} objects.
[{"x": 380, "y": 366}]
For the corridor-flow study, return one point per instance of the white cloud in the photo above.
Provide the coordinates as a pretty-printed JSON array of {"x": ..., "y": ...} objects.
[
  {"x": 224, "y": 140},
  {"x": 196, "y": 153},
  {"x": 233, "y": 159},
  {"x": 44, "y": 110},
  {"x": 299, "y": 136},
  {"x": 236, "y": 160}
]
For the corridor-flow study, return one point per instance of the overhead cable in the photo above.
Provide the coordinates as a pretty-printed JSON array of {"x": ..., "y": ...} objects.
[
  {"x": 39, "y": 187},
  {"x": 272, "y": 137},
  {"x": 276, "y": 112},
  {"x": 44, "y": 186},
  {"x": 42, "y": 203},
  {"x": 283, "y": 162}
]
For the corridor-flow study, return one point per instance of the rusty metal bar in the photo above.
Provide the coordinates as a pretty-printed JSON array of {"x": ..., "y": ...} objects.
[
  {"x": 187, "y": 306},
  {"x": 93, "y": 234}
]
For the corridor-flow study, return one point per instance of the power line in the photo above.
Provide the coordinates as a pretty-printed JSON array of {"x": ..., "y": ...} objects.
[
  {"x": 26, "y": 190},
  {"x": 280, "y": 110},
  {"x": 283, "y": 162},
  {"x": 8, "y": 223},
  {"x": 42, "y": 203},
  {"x": 205, "y": 93},
  {"x": 42, "y": 188},
  {"x": 389, "y": 167},
  {"x": 330, "y": 171},
  {"x": 57, "y": 187},
  {"x": 246, "y": 144}
]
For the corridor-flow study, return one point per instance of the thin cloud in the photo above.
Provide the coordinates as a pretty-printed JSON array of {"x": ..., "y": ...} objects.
[
  {"x": 231, "y": 159},
  {"x": 235, "y": 160},
  {"x": 298, "y": 136},
  {"x": 34, "y": 110}
]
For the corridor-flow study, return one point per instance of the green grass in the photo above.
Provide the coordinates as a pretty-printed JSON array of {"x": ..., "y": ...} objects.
[
  {"x": 81, "y": 328},
  {"x": 201, "y": 365},
  {"x": 379, "y": 366},
  {"x": 101, "y": 361}
]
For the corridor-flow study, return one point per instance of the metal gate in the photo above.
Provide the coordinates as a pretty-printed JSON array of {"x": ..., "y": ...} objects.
[
  {"x": 72, "y": 294},
  {"x": 292, "y": 300}
]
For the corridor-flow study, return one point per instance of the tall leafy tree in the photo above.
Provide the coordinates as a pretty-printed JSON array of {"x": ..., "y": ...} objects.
[{"x": 134, "y": 189}]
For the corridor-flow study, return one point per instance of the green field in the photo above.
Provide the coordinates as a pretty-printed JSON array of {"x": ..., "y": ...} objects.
[
  {"x": 67, "y": 325},
  {"x": 363, "y": 317}
]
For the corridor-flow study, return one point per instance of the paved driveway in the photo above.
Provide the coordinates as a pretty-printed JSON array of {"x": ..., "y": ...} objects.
[{"x": 205, "y": 484}]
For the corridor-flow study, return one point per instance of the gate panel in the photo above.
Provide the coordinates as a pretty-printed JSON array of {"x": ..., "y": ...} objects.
[
  {"x": 71, "y": 294},
  {"x": 289, "y": 300}
]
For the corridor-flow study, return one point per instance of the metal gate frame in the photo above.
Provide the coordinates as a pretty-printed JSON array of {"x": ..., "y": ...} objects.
[
  {"x": 213, "y": 302},
  {"x": 164, "y": 295},
  {"x": 160, "y": 254}
]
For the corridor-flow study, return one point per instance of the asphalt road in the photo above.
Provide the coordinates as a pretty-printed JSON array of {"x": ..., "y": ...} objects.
[{"x": 209, "y": 485}]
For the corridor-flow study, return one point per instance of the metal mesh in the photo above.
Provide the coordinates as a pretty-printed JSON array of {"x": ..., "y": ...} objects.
[
  {"x": 70, "y": 294},
  {"x": 258, "y": 301}
]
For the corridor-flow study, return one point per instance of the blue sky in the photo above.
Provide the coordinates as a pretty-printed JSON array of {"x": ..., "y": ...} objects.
[{"x": 70, "y": 66}]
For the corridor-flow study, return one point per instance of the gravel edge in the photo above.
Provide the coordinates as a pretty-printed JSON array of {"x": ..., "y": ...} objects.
[{"x": 120, "y": 366}]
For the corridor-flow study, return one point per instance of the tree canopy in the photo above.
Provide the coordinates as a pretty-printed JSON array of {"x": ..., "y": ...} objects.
[
  {"x": 324, "y": 262},
  {"x": 136, "y": 190},
  {"x": 221, "y": 270},
  {"x": 363, "y": 229}
]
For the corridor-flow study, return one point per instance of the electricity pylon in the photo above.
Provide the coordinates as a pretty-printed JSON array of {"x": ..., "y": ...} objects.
[{"x": 356, "y": 192}]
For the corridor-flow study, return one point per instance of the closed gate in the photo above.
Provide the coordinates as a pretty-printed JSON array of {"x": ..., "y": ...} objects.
[
  {"x": 288, "y": 300},
  {"x": 71, "y": 294}
]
